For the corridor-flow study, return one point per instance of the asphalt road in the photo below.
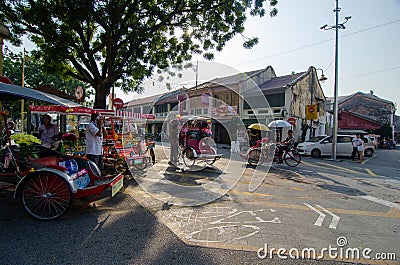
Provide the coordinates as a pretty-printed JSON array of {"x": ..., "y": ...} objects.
[
  {"x": 118, "y": 231},
  {"x": 122, "y": 231}
]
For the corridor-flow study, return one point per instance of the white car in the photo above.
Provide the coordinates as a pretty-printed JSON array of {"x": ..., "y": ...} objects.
[{"x": 322, "y": 146}]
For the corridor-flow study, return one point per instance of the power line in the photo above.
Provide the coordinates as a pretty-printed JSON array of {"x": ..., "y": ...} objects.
[
  {"x": 321, "y": 42},
  {"x": 371, "y": 73},
  {"x": 374, "y": 27}
]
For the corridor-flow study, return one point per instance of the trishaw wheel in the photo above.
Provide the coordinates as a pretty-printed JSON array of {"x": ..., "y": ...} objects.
[
  {"x": 188, "y": 157},
  {"x": 211, "y": 160},
  {"x": 254, "y": 157},
  {"x": 120, "y": 166},
  {"x": 46, "y": 196},
  {"x": 292, "y": 158},
  {"x": 141, "y": 166}
]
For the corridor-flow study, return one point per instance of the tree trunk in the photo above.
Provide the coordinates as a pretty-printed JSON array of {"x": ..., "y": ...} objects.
[{"x": 100, "y": 99}]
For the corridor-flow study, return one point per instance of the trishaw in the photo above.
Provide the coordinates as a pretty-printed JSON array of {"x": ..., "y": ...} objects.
[
  {"x": 48, "y": 184},
  {"x": 126, "y": 146},
  {"x": 195, "y": 141}
]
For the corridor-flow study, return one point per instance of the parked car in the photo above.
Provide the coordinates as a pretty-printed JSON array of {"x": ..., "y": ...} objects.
[
  {"x": 322, "y": 146},
  {"x": 373, "y": 139}
]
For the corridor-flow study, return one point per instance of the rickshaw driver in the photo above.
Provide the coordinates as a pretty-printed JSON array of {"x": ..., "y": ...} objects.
[
  {"x": 174, "y": 141},
  {"x": 47, "y": 131},
  {"x": 286, "y": 145},
  {"x": 95, "y": 132}
]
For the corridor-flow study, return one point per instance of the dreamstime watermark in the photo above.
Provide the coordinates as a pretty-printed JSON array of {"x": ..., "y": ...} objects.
[{"x": 340, "y": 251}]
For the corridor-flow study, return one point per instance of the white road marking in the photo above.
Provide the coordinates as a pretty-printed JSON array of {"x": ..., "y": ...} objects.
[
  {"x": 381, "y": 201},
  {"x": 335, "y": 218},
  {"x": 321, "y": 215}
]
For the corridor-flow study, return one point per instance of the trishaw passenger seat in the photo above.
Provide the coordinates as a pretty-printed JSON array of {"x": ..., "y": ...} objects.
[
  {"x": 48, "y": 161},
  {"x": 94, "y": 171}
]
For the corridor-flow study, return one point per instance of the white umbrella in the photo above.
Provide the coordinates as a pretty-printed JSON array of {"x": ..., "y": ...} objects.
[{"x": 279, "y": 124}]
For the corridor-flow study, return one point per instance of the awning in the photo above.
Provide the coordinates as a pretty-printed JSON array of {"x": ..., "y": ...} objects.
[
  {"x": 61, "y": 109},
  {"x": 12, "y": 92}
]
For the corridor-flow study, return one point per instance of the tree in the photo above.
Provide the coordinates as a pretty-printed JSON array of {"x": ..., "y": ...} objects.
[
  {"x": 104, "y": 42},
  {"x": 34, "y": 75},
  {"x": 386, "y": 131}
]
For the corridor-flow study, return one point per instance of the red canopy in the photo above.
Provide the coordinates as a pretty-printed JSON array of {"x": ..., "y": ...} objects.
[{"x": 61, "y": 109}]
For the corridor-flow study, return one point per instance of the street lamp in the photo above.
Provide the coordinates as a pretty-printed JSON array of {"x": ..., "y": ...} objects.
[
  {"x": 323, "y": 78},
  {"x": 336, "y": 28}
]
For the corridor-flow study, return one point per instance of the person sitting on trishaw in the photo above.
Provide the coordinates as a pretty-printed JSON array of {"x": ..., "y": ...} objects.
[{"x": 285, "y": 145}]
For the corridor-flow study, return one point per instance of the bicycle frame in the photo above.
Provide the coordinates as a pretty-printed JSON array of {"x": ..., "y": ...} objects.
[{"x": 257, "y": 155}]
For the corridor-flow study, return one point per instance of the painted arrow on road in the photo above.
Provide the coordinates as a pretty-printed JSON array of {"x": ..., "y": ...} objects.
[{"x": 321, "y": 217}]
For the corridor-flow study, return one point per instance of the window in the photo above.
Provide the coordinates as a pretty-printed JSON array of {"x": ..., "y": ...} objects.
[
  {"x": 276, "y": 100},
  {"x": 229, "y": 97},
  {"x": 344, "y": 139},
  {"x": 146, "y": 109},
  {"x": 161, "y": 108},
  {"x": 173, "y": 105}
]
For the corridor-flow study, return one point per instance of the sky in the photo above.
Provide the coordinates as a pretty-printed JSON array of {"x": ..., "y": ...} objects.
[{"x": 369, "y": 55}]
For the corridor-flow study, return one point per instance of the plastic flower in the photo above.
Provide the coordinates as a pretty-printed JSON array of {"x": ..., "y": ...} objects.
[{"x": 69, "y": 137}]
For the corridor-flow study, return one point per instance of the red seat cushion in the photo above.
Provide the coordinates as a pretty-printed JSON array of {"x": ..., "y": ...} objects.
[{"x": 48, "y": 161}]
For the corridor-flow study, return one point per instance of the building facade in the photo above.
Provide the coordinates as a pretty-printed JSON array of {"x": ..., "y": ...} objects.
[{"x": 229, "y": 98}]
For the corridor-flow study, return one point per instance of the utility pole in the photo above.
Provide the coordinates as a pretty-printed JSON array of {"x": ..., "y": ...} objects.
[{"x": 336, "y": 28}]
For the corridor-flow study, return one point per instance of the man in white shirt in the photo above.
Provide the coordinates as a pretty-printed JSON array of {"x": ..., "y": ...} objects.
[
  {"x": 94, "y": 139},
  {"x": 356, "y": 143}
]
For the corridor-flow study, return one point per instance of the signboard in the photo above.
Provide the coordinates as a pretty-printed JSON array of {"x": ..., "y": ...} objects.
[
  {"x": 292, "y": 121},
  {"x": 205, "y": 97},
  {"x": 311, "y": 112},
  {"x": 224, "y": 110},
  {"x": 61, "y": 109},
  {"x": 79, "y": 93},
  {"x": 118, "y": 103}
]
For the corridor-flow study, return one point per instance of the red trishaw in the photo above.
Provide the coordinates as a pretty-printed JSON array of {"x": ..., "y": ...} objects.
[
  {"x": 196, "y": 142},
  {"x": 48, "y": 184}
]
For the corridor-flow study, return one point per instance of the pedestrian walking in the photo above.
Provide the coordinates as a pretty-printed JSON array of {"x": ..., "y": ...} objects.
[{"x": 355, "y": 143}]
